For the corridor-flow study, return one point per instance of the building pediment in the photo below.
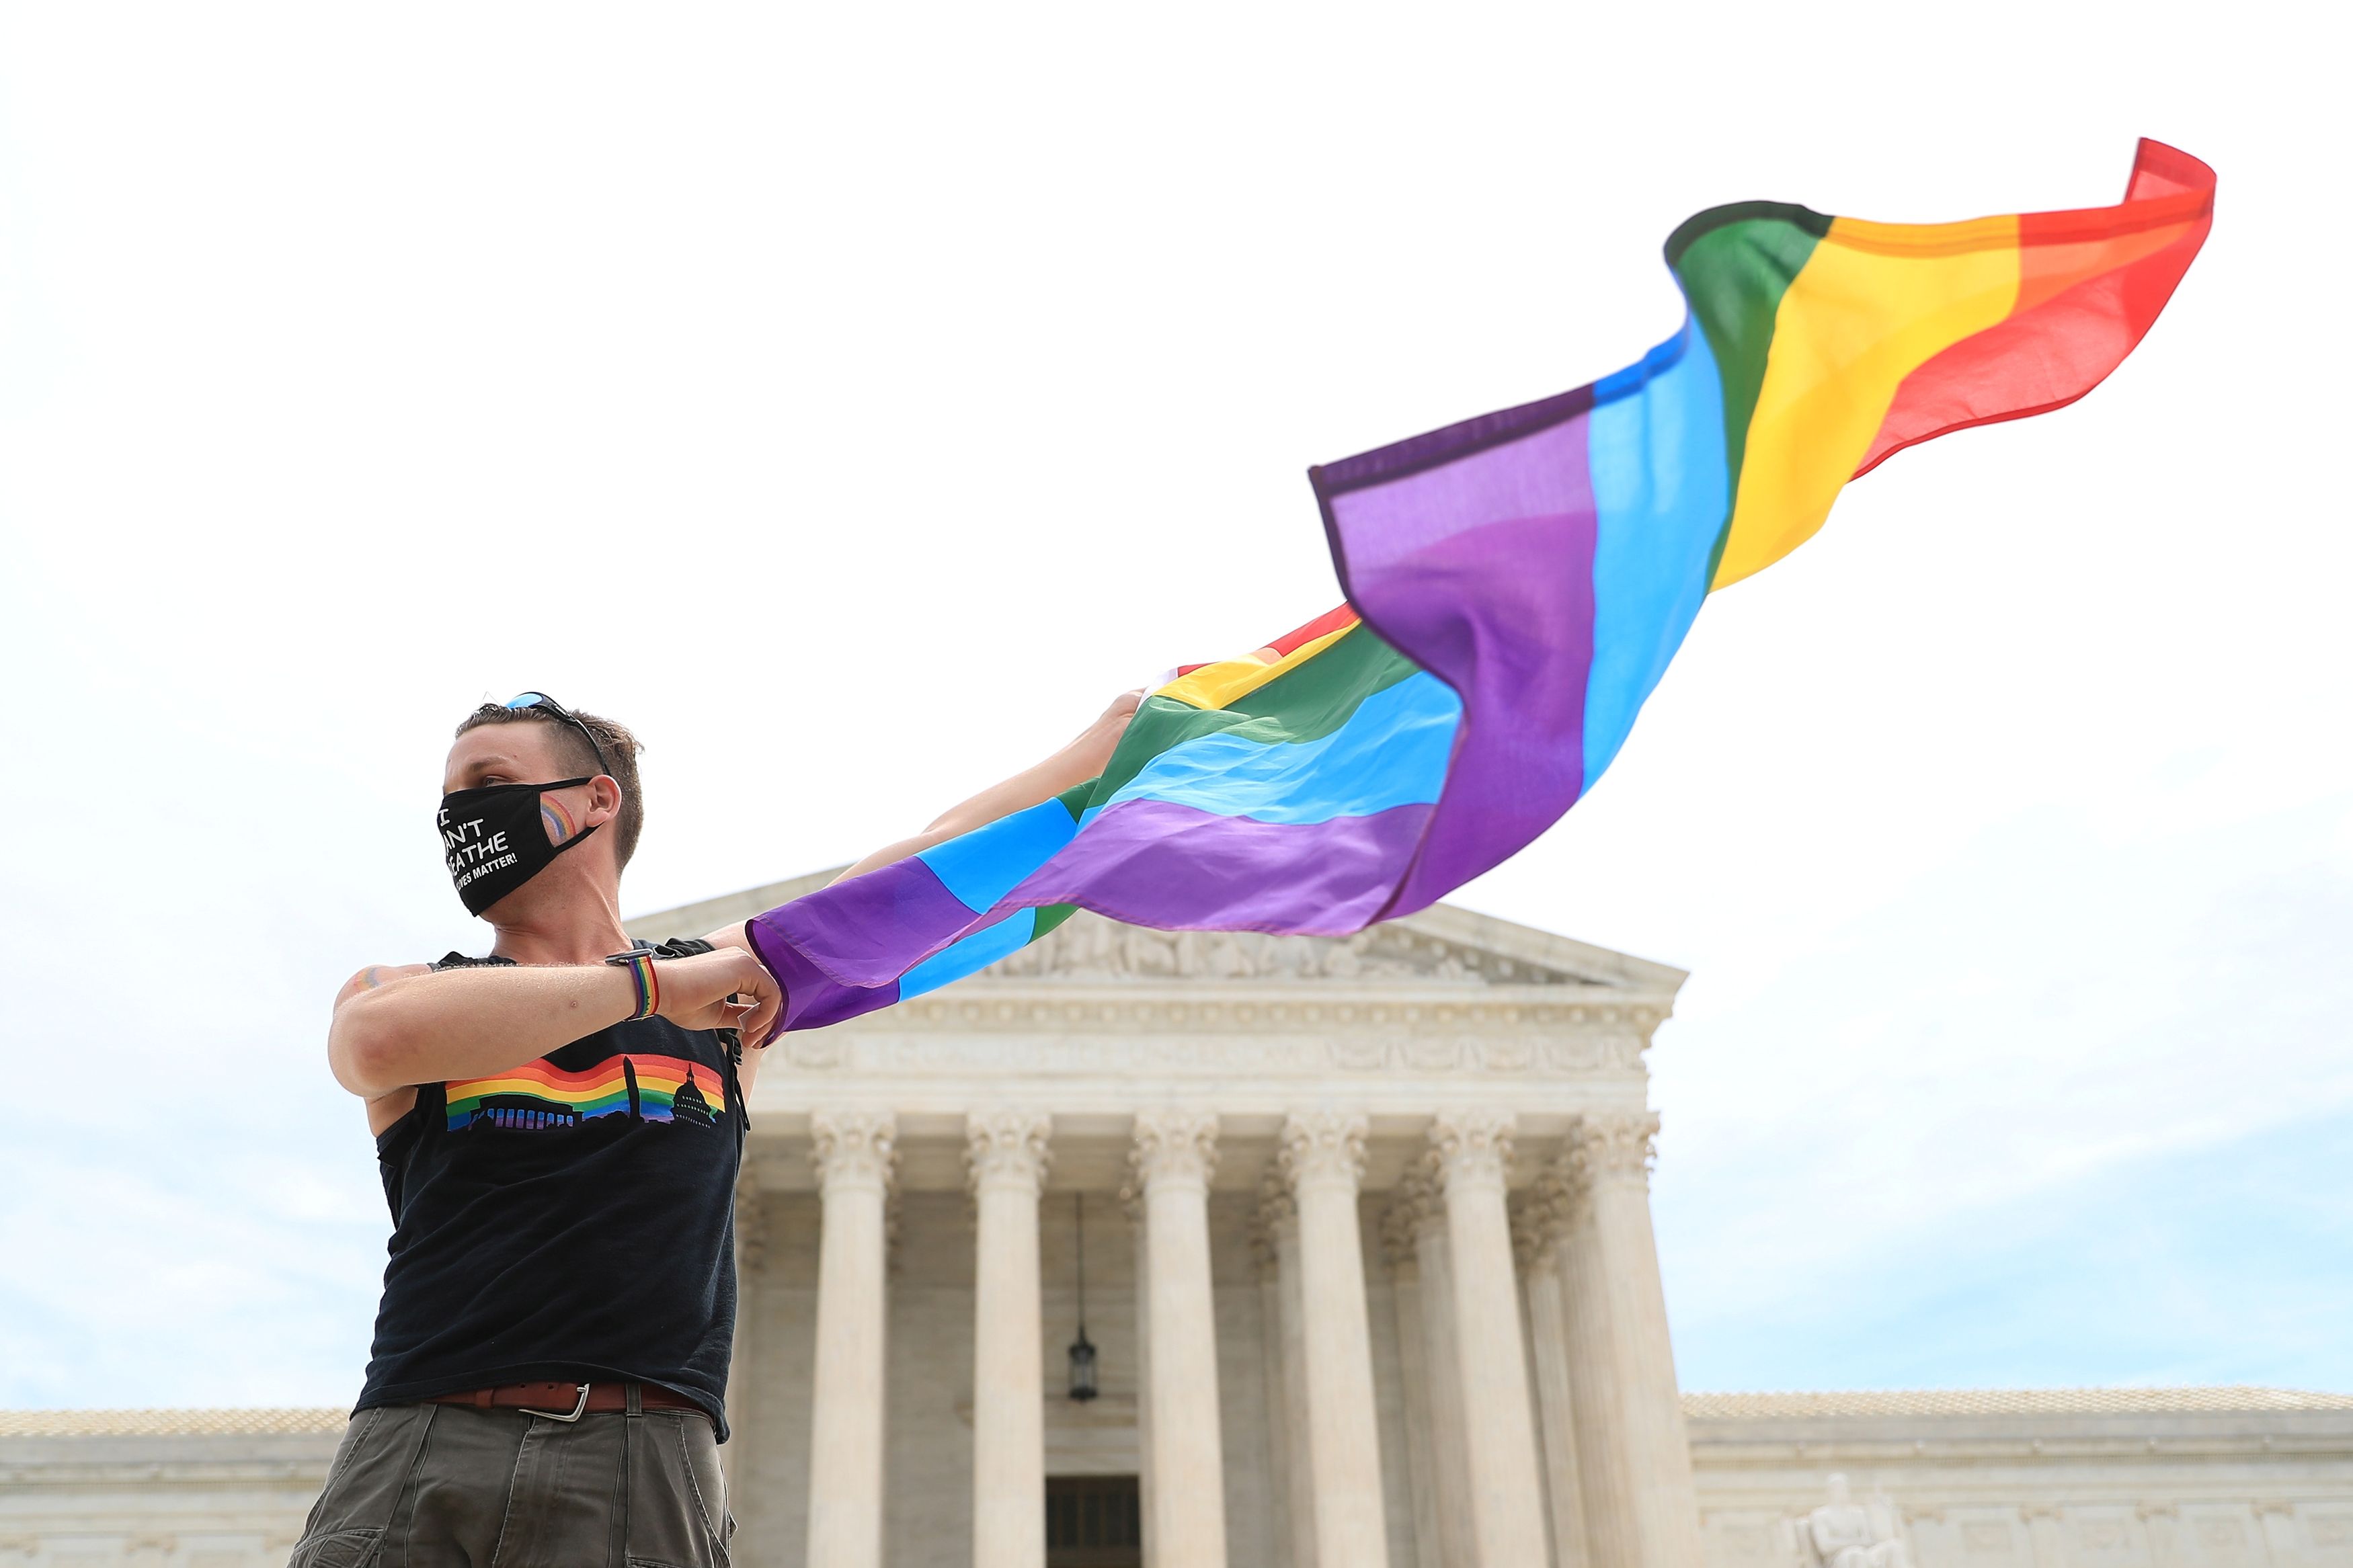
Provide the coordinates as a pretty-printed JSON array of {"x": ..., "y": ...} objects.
[
  {"x": 1440, "y": 946},
  {"x": 1090, "y": 950}
]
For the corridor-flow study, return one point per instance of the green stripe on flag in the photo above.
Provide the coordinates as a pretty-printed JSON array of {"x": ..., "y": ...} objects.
[
  {"x": 1303, "y": 703},
  {"x": 1734, "y": 264}
]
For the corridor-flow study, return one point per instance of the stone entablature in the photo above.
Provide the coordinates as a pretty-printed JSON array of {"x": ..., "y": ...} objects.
[
  {"x": 2073, "y": 1405},
  {"x": 2045, "y": 1427},
  {"x": 174, "y": 1489},
  {"x": 2104, "y": 1477}
]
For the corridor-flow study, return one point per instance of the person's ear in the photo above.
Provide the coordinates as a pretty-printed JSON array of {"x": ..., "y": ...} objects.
[{"x": 604, "y": 801}]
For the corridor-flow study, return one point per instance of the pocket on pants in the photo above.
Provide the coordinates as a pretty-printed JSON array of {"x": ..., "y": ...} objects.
[
  {"x": 363, "y": 1485},
  {"x": 677, "y": 1511},
  {"x": 706, "y": 1477},
  {"x": 336, "y": 1549}
]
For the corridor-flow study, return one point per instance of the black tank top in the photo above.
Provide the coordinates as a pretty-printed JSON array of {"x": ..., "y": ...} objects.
[{"x": 572, "y": 1220}]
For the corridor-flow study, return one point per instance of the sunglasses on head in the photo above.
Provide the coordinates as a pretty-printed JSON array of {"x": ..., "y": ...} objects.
[{"x": 550, "y": 705}]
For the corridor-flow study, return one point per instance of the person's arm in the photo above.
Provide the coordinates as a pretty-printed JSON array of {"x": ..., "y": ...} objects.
[
  {"x": 747, "y": 1070},
  {"x": 1082, "y": 759},
  {"x": 410, "y": 1025}
]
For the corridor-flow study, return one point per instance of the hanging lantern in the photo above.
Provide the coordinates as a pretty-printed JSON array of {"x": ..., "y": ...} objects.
[{"x": 1083, "y": 1354}]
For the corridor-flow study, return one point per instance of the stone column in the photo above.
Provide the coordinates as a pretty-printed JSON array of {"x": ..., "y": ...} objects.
[
  {"x": 1175, "y": 1151},
  {"x": 1397, "y": 1227},
  {"x": 1451, "y": 1462},
  {"x": 1612, "y": 1273},
  {"x": 1006, "y": 1154},
  {"x": 854, "y": 1153},
  {"x": 1603, "y": 1486},
  {"x": 1323, "y": 1159},
  {"x": 1286, "y": 1385},
  {"x": 1132, "y": 1200},
  {"x": 1506, "y": 1503},
  {"x": 1535, "y": 1237}
]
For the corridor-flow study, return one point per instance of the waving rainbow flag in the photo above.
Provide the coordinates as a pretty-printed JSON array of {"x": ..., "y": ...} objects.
[{"x": 1515, "y": 586}]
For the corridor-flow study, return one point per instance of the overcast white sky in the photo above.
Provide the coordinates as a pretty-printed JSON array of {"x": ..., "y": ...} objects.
[{"x": 852, "y": 398}]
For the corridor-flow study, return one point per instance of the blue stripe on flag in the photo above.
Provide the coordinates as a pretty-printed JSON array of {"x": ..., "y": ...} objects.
[
  {"x": 973, "y": 953},
  {"x": 983, "y": 866},
  {"x": 1393, "y": 751},
  {"x": 1660, "y": 493}
]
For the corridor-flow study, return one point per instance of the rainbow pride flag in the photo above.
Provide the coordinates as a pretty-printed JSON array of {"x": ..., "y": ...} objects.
[{"x": 1516, "y": 586}]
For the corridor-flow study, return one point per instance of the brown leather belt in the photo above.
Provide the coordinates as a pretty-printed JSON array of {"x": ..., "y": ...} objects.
[{"x": 568, "y": 1400}]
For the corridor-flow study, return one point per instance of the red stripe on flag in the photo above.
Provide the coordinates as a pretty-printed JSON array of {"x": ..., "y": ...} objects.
[
  {"x": 1330, "y": 621},
  {"x": 2081, "y": 320}
]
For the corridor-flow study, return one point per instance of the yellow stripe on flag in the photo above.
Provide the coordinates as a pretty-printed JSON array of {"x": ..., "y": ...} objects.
[
  {"x": 1216, "y": 685},
  {"x": 1872, "y": 304}
]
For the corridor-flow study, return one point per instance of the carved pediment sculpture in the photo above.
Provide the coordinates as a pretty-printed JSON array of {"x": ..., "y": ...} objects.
[
  {"x": 1844, "y": 1533},
  {"x": 1089, "y": 948}
]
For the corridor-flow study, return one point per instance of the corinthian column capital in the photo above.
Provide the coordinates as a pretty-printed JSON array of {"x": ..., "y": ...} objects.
[
  {"x": 854, "y": 1147},
  {"x": 1569, "y": 1178},
  {"x": 1532, "y": 1235},
  {"x": 1419, "y": 1206},
  {"x": 1401, "y": 1225},
  {"x": 1277, "y": 1216},
  {"x": 1007, "y": 1147},
  {"x": 1554, "y": 1198},
  {"x": 1322, "y": 1147},
  {"x": 1471, "y": 1148},
  {"x": 1274, "y": 1209},
  {"x": 1173, "y": 1148},
  {"x": 1616, "y": 1145},
  {"x": 1276, "y": 1206}
]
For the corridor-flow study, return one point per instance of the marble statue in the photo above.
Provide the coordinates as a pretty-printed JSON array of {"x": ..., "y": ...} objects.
[{"x": 1843, "y": 1533}]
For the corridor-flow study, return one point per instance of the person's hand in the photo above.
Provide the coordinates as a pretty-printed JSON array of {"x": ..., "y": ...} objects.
[
  {"x": 1122, "y": 708},
  {"x": 726, "y": 988},
  {"x": 1102, "y": 737}
]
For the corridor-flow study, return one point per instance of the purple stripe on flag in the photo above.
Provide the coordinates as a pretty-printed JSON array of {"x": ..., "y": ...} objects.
[
  {"x": 812, "y": 997},
  {"x": 868, "y": 930},
  {"x": 1480, "y": 570},
  {"x": 1400, "y": 460},
  {"x": 1179, "y": 867}
]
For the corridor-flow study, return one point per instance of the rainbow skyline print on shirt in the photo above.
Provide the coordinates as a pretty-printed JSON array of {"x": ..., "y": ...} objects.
[{"x": 539, "y": 1094}]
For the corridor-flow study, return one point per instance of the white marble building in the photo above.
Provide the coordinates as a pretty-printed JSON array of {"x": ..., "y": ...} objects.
[{"x": 1370, "y": 1276}]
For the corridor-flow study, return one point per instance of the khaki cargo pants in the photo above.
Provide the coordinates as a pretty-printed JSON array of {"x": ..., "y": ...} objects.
[{"x": 449, "y": 1486}]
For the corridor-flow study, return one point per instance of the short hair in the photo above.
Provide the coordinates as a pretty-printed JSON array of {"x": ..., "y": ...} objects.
[{"x": 620, "y": 748}]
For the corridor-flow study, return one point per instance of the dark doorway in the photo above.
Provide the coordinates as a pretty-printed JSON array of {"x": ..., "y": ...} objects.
[{"x": 1094, "y": 1521}]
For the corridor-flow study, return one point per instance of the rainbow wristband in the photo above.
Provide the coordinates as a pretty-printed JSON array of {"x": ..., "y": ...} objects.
[{"x": 640, "y": 965}]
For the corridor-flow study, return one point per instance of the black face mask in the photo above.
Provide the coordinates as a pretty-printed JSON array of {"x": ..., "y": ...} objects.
[{"x": 499, "y": 836}]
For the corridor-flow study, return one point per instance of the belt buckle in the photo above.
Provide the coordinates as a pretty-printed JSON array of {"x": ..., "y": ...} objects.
[{"x": 579, "y": 1410}]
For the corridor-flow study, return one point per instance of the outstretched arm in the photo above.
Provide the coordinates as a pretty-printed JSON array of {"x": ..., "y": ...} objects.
[
  {"x": 1081, "y": 760},
  {"x": 398, "y": 1026}
]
